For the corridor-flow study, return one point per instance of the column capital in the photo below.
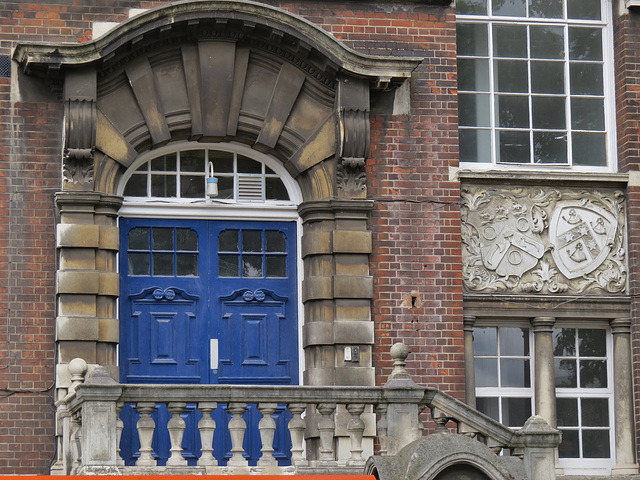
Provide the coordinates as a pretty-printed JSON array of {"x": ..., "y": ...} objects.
[
  {"x": 620, "y": 326},
  {"x": 468, "y": 322},
  {"x": 543, "y": 324}
]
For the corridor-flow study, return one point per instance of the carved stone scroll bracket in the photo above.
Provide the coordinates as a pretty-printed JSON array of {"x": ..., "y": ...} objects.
[
  {"x": 79, "y": 129},
  {"x": 355, "y": 136}
]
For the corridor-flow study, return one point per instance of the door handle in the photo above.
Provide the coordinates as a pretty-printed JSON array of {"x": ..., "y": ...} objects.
[{"x": 213, "y": 353}]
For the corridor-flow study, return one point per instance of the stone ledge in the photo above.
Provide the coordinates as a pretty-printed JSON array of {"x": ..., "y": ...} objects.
[{"x": 542, "y": 177}]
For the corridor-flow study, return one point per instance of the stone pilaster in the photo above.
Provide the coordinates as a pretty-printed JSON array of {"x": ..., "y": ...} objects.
[
  {"x": 468, "y": 321},
  {"x": 87, "y": 281},
  {"x": 623, "y": 399},
  {"x": 336, "y": 292}
]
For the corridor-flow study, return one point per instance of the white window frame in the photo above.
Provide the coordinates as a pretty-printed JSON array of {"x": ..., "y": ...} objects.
[
  {"x": 571, "y": 466},
  {"x": 608, "y": 87},
  {"x": 509, "y": 392},
  {"x": 592, "y": 466},
  {"x": 209, "y": 208}
]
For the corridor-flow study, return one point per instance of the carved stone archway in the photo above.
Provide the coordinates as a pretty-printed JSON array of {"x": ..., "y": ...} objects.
[{"x": 218, "y": 71}]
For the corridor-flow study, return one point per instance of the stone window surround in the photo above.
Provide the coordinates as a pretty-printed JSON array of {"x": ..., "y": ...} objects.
[{"x": 544, "y": 379}]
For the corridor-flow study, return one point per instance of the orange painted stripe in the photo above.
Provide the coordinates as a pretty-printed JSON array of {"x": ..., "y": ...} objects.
[{"x": 198, "y": 477}]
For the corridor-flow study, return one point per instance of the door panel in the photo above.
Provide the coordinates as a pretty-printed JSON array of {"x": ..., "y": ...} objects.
[
  {"x": 256, "y": 353},
  {"x": 185, "y": 283},
  {"x": 154, "y": 345}
]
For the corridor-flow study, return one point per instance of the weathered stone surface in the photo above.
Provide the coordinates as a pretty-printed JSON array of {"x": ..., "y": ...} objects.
[
  {"x": 78, "y": 281},
  {"x": 351, "y": 242},
  {"x": 353, "y": 286},
  {"x": 109, "y": 284},
  {"x": 78, "y": 235},
  {"x": 108, "y": 330},
  {"x": 77, "y": 305},
  {"x": 68, "y": 350},
  {"x": 540, "y": 239},
  {"x": 109, "y": 238},
  {"x": 77, "y": 328}
]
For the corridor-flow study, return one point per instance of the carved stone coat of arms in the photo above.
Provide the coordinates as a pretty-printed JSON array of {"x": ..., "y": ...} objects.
[{"x": 541, "y": 240}]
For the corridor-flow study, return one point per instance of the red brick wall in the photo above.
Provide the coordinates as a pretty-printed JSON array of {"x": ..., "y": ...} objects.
[
  {"x": 627, "y": 59},
  {"x": 416, "y": 219},
  {"x": 415, "y": 222},
  {"x": 30, "y": 149},
  {"x": 29, "y": 175}
]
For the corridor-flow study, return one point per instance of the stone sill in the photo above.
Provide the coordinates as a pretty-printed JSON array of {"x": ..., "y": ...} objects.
[{"x": 543, "y": 177}]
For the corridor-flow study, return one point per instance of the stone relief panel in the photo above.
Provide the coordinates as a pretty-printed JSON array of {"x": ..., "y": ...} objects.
[{"x": 541, "y": 240}]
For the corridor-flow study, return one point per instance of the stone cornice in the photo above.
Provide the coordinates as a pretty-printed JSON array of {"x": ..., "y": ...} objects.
[
  {"x": 529, "y": 306},
  {"x": 543, "y": 177},
  {"x": 383, "y": 71}
]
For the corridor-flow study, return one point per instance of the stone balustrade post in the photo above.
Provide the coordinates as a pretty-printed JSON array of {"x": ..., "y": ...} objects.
[
  {"x": 98, "y": 396},
  {"x": 356, "y": 430},
  {"x": 403, "y": 396},
  {"x": 146, "y": 426},
  {"x": 296, "y": 431},
  {"x": 119, "y": 429},
  {"x": 207, "y": 428},
  {"x": 326, "y": 426},
  {"x": 237, "y": 427},
  {"x": 176, "y": 426},
  {"x": 76, "y": 442},
  {"x": 540, "y": 441},
  {"x": 267, "y": 427},
  {"x": 382, "y": 427}
]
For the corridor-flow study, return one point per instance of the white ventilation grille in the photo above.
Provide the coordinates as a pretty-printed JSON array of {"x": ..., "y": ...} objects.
[{"x": 249, "y": 188}]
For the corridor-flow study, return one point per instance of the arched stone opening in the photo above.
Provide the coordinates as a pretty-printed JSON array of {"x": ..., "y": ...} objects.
[
  {"x": 212, "y": 71},
  {"x": 444, "y": 457}
]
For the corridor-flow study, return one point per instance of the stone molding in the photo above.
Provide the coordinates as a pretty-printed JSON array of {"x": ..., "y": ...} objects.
[{"x": 280, "y": 24}]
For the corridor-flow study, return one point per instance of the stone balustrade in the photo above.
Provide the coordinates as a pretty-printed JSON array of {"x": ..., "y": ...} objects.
[{"x": 91, "y": 426}]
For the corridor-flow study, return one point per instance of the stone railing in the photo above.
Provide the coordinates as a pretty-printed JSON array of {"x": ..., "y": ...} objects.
[{"x": 90, "y": 426}]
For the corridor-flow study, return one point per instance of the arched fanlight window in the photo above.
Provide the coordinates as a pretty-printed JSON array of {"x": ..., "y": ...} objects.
[{"x": 182, "y": 175}]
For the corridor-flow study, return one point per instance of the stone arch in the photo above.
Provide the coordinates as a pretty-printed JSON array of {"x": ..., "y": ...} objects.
[
  {"x": 218, "y": 71},
  {"x": 445, "y": 456}
]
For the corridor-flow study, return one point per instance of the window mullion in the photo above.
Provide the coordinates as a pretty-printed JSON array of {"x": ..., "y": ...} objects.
[
  {"x": 567, "y": 89},
  {"x": 178, "y": 175},
  {"x": 492, "y": 96},
  {"x": 530, "y": 97}
]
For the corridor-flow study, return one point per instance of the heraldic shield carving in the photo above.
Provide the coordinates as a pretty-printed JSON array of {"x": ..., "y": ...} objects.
[
  {"x": 582, "y": 238},
  {"x": 535, "y": 240}
]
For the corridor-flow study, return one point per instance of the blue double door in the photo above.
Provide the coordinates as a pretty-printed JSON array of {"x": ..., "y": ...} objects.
[{"x": 207, "y": 302}]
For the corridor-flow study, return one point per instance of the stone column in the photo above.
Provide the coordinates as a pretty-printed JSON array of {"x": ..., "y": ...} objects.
[
  {"x": 87, "y": 281},
  {"x": 469, "y": 370},
  {"x": 544, "y": 371},
  {"x": 623, "y": 398},
  {"x": 336, "y": 293}
]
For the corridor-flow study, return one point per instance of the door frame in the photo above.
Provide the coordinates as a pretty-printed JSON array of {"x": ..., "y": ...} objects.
[{"x": 212, "y": 210}]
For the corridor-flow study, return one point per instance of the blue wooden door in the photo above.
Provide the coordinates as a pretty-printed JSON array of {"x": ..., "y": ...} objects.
[{"x": 207, "y": 302}]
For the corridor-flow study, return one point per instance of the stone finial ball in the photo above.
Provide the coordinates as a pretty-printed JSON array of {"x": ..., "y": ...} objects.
[
  {"x": 78, "y": 366},
  {"x": 399, "y": 351}
]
